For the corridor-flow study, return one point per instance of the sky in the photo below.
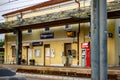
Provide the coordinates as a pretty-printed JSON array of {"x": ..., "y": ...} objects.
[{"x": 12, "y": 5}]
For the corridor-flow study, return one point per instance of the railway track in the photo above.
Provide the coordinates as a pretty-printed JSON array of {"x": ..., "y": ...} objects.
[
  {"x": 113, "y": 72},
  {"x": 64, "y": 73}
]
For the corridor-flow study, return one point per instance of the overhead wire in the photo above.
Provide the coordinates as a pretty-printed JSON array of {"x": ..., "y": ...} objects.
[
  {"x": 18, "y": 7},
  {"x": 17, "y": 1},
  {"x": 7, "y": 2}
]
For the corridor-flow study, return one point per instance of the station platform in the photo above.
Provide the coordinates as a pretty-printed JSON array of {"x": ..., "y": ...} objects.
[
  {"x": 113, "y": 72},
  {"x": 49, "y": 77}
]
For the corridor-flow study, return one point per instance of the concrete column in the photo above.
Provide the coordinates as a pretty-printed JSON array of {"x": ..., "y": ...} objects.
[
  {"x": 95, "y": 48},
  {"x": 19, "y": 47},
  {"x": 103, "y": 39}
]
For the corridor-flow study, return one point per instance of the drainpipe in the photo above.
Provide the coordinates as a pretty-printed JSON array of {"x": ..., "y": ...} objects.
[
  {"x": 78, "y": 34},
  {"x": 78, "y": 3}
]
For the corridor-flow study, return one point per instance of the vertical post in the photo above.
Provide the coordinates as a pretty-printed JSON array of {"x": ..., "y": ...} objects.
[
  {"x": 95, "y": 49},
  {"x": 103, "y": 39},
  {"x": 78, "y": 46},
  {"x": 78, "y": 34},
  {"x": 19, "y": 47},
  {"x": 27, "y": 54}
]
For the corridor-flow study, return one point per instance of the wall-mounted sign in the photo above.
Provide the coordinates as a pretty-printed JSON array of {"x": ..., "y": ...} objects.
[
  {"x": 119, "y": 31},
  {"x": 26, "y": 44},
  {"x": 37, "y": 52},
  {"x": 71, "y": 34},
  {"x": 46, "y": 35},
  {"x": 89, "y": 34},
  {"x": 85, "y": 45},
  {"x": 52, "y": 52},
  {"x": 37, "y": 43}
]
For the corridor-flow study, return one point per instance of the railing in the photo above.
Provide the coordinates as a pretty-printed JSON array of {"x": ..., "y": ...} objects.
[{"x": 74, "y": 13}]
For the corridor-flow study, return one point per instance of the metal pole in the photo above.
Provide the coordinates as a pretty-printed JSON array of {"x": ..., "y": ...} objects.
[
  {"x": 95, "y": 49},
  {"x": 19, "y": 47},
  {"x": 103, "y": 39}
]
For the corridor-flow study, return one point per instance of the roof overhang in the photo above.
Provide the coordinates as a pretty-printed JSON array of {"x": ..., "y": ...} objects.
[
  {"x": 53, "y": 23},
  {"x": 114, "y": 14},
  {"x": 111, "y": 15},
  {"x": 46, "y": 24}
]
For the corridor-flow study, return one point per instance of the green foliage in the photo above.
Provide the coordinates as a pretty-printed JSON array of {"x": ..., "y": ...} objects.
[
  {"x": 1, "y": 43},
  {"x": 1, "y": 53}
]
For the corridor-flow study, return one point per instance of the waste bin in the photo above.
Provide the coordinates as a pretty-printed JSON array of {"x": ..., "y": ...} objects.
[
  {"x": 23, "y": 61},
  {"x": 32, "y": 62}
]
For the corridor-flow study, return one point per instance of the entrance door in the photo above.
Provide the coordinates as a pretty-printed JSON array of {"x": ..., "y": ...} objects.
[
  {"x": 67, "y": 48},
  {"x": 26, "y": 58},
  {"x": 13, "y": 54},
  {"x": 47, "y": 55},
  {"x": 29, "y": 55}
]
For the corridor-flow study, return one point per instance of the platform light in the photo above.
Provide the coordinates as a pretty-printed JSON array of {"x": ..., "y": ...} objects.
[
  {"x": 46, "y": 29},
  {"x": 67, "y": 27},
  {"x": 110, "y": 35},
  {"x": 29, "y": 31},
  {"x": 14, "y": 33}
]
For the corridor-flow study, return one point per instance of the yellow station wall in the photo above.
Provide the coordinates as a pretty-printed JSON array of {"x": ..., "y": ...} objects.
[{"x": 58, "y": 45}]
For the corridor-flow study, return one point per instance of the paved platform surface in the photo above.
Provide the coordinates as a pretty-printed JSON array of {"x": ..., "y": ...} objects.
[{"x": 48, "y": 77}]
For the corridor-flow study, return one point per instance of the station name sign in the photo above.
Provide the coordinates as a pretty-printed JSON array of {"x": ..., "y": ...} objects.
[
  {"x": 37, "y": 43},
  {"x": 47, "y": 35}
]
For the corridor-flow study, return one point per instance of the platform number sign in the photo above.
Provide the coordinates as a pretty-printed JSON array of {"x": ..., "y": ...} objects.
[{"x": 119, "y": 31}]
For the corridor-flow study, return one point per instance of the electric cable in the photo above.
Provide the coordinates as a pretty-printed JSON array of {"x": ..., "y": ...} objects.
[
  {"x": 19, "y": 7},
  {"x": 7, "y": 2},
  {"x": 16, "y": 1}
]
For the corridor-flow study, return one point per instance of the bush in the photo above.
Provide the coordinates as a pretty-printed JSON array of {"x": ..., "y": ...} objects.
[
  {"x": 1, "y": 53},
  {"x": 1, "y": 43}
]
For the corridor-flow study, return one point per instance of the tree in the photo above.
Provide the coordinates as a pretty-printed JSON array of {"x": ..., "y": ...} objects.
[{"x": 1, "y": 42}]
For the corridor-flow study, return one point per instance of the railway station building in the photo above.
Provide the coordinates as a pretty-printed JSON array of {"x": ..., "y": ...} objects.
[{"x": 57, "y": 33}]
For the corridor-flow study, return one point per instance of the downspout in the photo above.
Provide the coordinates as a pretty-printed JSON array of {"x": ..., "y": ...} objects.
[
  {"x": 78, "y": 34},
  {"x": 78, "y": 3}
]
